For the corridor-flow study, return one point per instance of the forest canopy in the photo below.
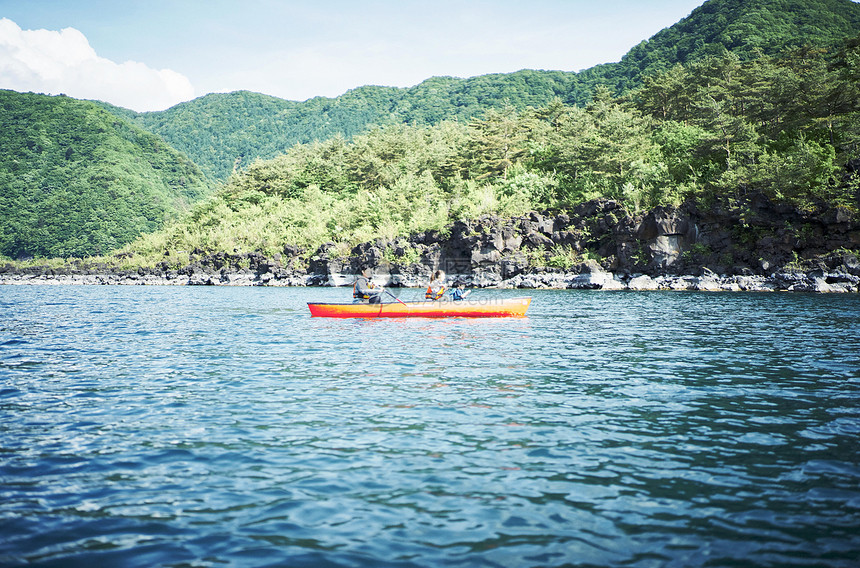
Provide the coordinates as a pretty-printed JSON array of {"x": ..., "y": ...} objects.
[
  {"x": 718, "y": 129},
  {"x": 225, "y": 132},
  {"x": 729, "y": 102},
  {"x": 76, "y": 180}
]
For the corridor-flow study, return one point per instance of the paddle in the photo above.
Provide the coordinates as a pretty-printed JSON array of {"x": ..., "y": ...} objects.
[{"x": 395, "y": 297}]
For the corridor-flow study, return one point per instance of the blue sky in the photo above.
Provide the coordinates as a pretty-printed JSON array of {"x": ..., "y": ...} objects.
[{"x": 149, "y": 55}]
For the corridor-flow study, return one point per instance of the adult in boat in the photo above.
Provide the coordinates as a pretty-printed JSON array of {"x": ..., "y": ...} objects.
[
  {"x": 436, "y": 289},
  {"x": 364, "y": 291}
]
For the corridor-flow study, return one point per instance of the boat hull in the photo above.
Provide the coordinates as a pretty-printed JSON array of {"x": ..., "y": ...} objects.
[{"x": 487, "y": 308}]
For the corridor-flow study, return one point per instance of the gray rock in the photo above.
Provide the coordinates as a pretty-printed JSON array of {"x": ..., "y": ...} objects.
[{"x": 642, "y": 282}]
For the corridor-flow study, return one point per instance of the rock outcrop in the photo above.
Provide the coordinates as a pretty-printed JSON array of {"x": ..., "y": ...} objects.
[{"x": 596, "y": 245}]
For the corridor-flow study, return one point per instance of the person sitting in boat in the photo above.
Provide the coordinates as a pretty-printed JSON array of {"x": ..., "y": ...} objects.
[
  {"x": 436, "y": 289},
  {"x": 459, "y": 292},
  {"x": 364, "y": 291}
]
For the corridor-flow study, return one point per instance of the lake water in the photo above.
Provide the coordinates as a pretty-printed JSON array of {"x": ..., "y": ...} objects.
[{"x": 191, "y": 426}]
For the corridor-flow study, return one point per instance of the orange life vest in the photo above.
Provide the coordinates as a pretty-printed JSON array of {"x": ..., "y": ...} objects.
[{"x": 431, "y": 295}]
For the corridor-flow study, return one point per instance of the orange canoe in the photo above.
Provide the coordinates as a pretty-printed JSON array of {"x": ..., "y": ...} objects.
[{"x": 483, "y": 308}]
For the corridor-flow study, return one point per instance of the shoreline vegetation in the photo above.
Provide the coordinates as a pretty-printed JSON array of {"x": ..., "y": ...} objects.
[
  {"x": 598, "y": 245},
  {"x": 736, "y": 169}
]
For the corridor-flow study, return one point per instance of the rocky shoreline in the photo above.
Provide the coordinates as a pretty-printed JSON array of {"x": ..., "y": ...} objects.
[
  {"x": 760, "y": 246},
  {"x": 783, "y": 281}
]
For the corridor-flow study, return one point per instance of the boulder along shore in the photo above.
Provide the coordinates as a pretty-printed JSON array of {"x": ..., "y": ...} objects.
[{"x": 760, "y": 246}]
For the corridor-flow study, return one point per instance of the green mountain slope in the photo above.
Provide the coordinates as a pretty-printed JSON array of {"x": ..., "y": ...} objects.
[
  {"x": 223, "y": 132},
  {"x": 77, "y": 180},
  {"x": 715, "y": 131},
  {"x": 743, "y": 27}
]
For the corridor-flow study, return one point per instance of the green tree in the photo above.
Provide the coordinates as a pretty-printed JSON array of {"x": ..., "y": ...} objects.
[{"x": 77, "y": 180}]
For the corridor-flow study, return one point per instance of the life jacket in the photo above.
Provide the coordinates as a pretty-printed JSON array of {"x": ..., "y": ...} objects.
[
  {"x": 430, "y": 294},
  {"x": 358, "y": 294}
]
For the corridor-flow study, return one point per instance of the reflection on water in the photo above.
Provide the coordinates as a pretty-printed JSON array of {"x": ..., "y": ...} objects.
[{"x": 219, "y": 426}]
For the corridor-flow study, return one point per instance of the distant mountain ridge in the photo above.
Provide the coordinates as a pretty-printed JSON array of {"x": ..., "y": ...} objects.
[
  {"x": 225, "y": 131},
  {"x": 76, "y": 180},
  {"x": 83, "y": 177},
  {"x": 743, "y": 27},
  {"x": 222, "y": 132}
]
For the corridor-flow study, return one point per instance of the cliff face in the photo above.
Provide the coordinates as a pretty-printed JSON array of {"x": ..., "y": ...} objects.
[
  {"x": 597, "y": 245},
  {"x": 601, "y": 245}
]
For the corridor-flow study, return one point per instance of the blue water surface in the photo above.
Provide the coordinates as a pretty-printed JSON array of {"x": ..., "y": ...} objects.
[{"x": 216, "y": 426}]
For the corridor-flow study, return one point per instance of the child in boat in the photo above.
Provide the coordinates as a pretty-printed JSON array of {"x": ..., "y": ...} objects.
[
  {"x": 436, "y": 289},
  {"x": 364, "y": 291},
  {"x": 459, "y": 292}
]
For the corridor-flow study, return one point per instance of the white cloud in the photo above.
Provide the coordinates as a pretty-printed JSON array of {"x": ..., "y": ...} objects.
[{"x": 54, "y": 62}]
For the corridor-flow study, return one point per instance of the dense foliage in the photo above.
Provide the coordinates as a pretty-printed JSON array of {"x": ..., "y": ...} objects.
[
  {"x": 226, "y": 132},
  {"x": 715, "y": 129},
  {"x": 223, "y": 132},
  {"x": 746, "y": 28},
  {"x": 76, "y": 180},
  {"x": 730, "y": 100}
]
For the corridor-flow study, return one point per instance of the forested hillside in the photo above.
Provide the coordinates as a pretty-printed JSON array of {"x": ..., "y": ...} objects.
[
  {"x": 718, "y": 131},
  {"x": 747, "y": 28},
  {"x": 224, "y": 132},
  {"x": 77, "y": 180},
  {"x": 741, "y": 96}
]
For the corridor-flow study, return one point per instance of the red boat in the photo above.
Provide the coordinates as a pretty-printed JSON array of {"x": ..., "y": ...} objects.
[{"x": 469, "y": 308}]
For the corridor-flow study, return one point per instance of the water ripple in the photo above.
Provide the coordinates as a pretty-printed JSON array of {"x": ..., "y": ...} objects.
[{"x": 202, "y": 427}]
